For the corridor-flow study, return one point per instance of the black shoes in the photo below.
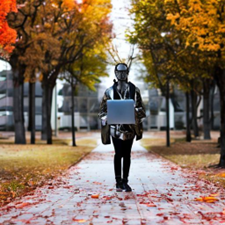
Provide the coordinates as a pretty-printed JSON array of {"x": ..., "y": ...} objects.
[
  {"x": 126, "y": 187},
  {"x": 119, "y": 186},
  {"x": 122, "y": 185}
]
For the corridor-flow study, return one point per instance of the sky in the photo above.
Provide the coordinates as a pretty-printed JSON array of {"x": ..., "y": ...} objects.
[
  {"x": 4, "y": 66},
  {"x": 121, "y": 22}
]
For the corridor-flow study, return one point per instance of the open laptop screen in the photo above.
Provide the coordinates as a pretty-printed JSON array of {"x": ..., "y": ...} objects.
[{"x": 120, "y": 111}]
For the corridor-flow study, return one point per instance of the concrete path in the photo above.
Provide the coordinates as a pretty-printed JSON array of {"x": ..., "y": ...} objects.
[{"x": 163, "y": 193}]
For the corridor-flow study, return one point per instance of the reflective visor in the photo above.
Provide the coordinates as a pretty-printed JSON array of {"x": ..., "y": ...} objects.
[{"x": 121, "y": 67}]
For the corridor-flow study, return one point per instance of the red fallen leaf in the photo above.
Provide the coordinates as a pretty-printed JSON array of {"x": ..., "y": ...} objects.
[
  {"x": 24, "y": 204},
  {"x": 79, "y": 220},
  {"x": 169, "y": 199},
  {"x": 145, "y": 203},
  {"x": 151, "y": 205},
  {"x": 142, "y": 195},
  {"x": 106, "y": 216},
  {"x": 114, "y": 218},
  {"x": 67, "y": 187},
  {"x": 159, "y": 214},
  {"x": 51, "y": 187},
  {"x": 95, "y": 196},
  {"x": 125, "y": 220},
  {"x": 96, "y": 216},
  {"x": 127, "y": 197},
  {"x": 174, "y": 168},
  {"x": 108, "y": 197},
  {"x": 95, "y": 182},
  {"x": 109, "y": 221}
]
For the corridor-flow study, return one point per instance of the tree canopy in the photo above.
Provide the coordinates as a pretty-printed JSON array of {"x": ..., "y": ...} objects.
[
  {"x": 7, "y": 34},
  {"x": 165, "y": 42}
]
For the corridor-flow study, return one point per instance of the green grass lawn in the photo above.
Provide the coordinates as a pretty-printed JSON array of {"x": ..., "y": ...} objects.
[
  {"x": 25, "y": 167},
  {"x": 199, "y": 155}
]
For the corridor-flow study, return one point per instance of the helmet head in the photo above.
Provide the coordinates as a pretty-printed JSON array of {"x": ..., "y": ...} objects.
[{"x": 121, "y": 71}]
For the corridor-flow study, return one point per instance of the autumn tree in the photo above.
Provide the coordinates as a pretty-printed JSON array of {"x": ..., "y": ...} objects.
[
  {"x": 162, "y": 49},
  {"x": 85, "y": 71},
  {"x": 79, "y": 28},
  {"x": 51, "y": 34},
  {"x": 203, "y": 24},
  {"x": 165, "y": 54},
  {"x": 23, "y": 23}
]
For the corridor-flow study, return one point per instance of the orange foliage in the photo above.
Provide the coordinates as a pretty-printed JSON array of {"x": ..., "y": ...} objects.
[{"x": 7, "y": 34}]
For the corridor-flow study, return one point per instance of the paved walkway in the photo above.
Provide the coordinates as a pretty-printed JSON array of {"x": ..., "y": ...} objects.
[{"x": 162, "y": 193}]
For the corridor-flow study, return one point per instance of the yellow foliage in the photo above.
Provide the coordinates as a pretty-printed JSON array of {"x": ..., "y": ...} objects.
[
  {"x": 40, "y": 78},
  {"x": 172, "y": 17}
]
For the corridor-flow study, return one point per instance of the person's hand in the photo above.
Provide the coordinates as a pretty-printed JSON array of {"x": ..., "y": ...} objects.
[{"x": 104, "y": 120}]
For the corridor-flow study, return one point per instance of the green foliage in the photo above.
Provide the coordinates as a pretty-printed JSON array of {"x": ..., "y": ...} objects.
[{"x": 89, "y": 68}]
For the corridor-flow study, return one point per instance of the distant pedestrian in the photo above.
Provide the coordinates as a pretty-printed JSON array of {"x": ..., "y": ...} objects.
[{"x": 122, "y": 134}]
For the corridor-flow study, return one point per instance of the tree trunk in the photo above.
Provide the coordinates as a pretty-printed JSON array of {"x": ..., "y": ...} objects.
[
  {"x": 167, "y": 115},
  {"x": 220, "y": 78},
  {"x": 188, "y": 129},
  {"x": 194, "y": 112},
  {"x": 48, "y": 84},
  {"x": 32, "y": 112},
  {"x": 206, "y": 109},
  {"x": 72, "y": 114},
  {"x": 212, "y": 90},
  {"x": 44, "y": 112},
  {"x": 48, "y": 110},
  {"x": 18, "y": 108}
]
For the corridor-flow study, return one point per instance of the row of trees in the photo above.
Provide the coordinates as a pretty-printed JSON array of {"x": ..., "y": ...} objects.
[
  {"x": 183, "y": 43},
  {"x": 55, "y": 37}
]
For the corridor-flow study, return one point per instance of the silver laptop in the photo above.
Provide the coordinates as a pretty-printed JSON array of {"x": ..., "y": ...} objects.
[{"x": 120, "y": 111}]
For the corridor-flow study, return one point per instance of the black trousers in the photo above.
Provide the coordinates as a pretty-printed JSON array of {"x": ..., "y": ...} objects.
[{"x": 122, "y": 150}]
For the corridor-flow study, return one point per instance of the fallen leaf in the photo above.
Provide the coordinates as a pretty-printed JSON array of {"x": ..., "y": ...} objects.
[
  {"x": 174, "y": 168},
  {"x": 95, "y": 196},
  {"x": 220, "y": 175},
  {"x": 214, "y": 195},
  {"x": 199, "y": 199},
  {"x": 95, "y": 182},
  {"x": 20, "y": 206},
  {"x": 151, "y": 205},
  {"x": 108, "y": 197},
  {"x": 208, "y": 199},
  {"x": 79, "y": 220}
]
